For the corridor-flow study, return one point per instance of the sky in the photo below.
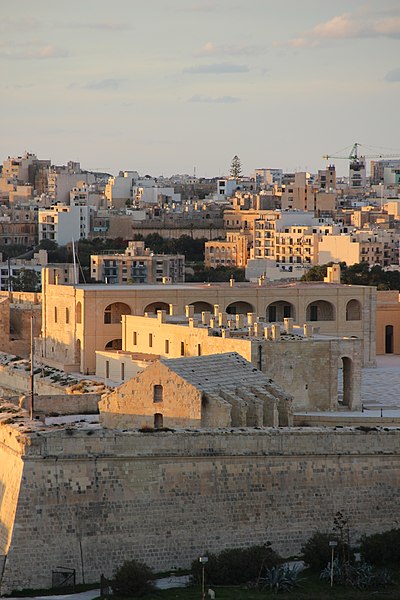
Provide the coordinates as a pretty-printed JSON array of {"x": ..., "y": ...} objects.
[{"x": 169, "y": 86}]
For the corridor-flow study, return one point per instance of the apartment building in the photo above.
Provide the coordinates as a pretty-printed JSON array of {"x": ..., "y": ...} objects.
[
  {"x": 302, "y": 193},
  {"x": 18, "y": 226},
  {"x": 62, "y": 223},
  {"x": 137, "y": 265},
  {"x": 232, "y": 252},
  {"x": 376, "y": 247},
  {"x": 61, "y": 180}
]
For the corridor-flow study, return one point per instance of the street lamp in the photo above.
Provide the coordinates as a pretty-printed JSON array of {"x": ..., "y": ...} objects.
[
  {"x": 203, "y": 561},
  {"x": 332, "y": 545}
]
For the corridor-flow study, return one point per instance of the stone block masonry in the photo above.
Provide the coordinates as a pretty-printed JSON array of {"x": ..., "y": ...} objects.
[{"x": 91, "y": 499}]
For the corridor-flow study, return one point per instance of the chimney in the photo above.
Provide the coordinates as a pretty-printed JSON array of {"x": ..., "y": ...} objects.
[{"x": 162, "y": 316}]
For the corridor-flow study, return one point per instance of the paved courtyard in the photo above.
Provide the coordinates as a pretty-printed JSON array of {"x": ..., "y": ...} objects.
[{"x": 381, "y": 385}]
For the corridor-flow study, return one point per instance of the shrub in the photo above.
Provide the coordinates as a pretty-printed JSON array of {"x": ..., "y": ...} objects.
[
  {"x": 280, "y": 579},
  {"x": 132, "y": 579},
  {"x": 317, "y": 553},
  {"x": 361, "y": 576},
  {"x": 236, "y": 566},
  {"x": 381, "y": 548}
]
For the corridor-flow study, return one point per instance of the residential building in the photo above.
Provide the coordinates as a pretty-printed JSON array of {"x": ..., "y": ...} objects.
[
  {"x": 374, "y": 246},
  {"x": 137, "y": 265},
  {"x": 61, "y": 180},
  {"x": 232, "y": 252},
  {"x": 62, "y": 223}
]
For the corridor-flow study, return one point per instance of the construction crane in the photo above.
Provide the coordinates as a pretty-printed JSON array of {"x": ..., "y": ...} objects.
[{"x": 355, "y": 157}]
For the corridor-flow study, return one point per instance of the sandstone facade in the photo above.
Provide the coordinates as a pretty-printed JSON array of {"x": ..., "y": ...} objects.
[{"x": 91, "y": 499}]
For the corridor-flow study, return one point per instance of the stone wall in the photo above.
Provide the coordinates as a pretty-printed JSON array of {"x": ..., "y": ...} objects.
[{"x": 92, "y": 499}]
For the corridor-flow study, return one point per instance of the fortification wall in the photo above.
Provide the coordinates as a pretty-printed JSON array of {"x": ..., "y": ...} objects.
[{"x": 91, "y": 499}]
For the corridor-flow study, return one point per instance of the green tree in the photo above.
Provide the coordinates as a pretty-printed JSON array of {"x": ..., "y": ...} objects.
[
  {"x": 236, "y": 167},
  {"x": 27, "y": 280},
  {"x": 133, "y": 579}
]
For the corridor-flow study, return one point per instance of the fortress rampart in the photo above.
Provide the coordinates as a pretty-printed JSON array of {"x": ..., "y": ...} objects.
[{"x": 89, "y": 499}]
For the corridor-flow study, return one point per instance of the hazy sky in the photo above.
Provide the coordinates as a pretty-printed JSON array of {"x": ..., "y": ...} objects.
[{"x": 163, "y": 86}]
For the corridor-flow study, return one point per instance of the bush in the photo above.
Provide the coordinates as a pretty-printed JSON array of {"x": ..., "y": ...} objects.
[
  {"x": 317, "y": 553},
  {"x": 280, "y": 579},
  {"x": 359, "y": 576},
  {"x": 132, "y": 579},
  {"x": 236, "y": 566},
  {"x": 381, "y": 548}
]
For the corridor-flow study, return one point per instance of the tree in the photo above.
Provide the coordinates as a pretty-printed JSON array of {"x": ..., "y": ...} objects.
[
  {"x": 27, "y": 280},
  {"x": 132, "y": 579},
  {"x": 236, "y": 167}
]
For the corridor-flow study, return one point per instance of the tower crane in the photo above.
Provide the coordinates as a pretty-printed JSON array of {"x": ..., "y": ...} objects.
[{"x": 355, "y": 157}]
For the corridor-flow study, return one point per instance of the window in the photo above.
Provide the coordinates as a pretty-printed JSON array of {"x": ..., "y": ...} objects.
[
  {"x": 166, "y": 346},
  {"x": 158, "y": 393},
  {"x": 122, "y": 371},
  {"x": 182, "y": 348},
  {"x": 67, "y": 315},
  {"x": 55, "y": 314},
  {"x": 107, "y": 369},
  {"x": 150, "y": 340},
  {"x": 134, "y": 338}
]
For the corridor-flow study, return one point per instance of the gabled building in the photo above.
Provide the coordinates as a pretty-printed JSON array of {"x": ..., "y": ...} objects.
[{"x": 222, "y": 390}]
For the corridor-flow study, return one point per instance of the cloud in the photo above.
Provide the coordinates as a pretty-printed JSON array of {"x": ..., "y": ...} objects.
[
  {"x": 393, "y": 75},
  {"x": 217, "y": 68},
  {"x": 34, "y": 51},
  {"x": 348, "y": 26},
  {"x": 214, "y": 100},
  {"x": 210, "y": 49}
]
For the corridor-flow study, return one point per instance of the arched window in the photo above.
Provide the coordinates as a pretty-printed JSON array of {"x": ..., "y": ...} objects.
[
  {"x": 158, "y": 393},
  {"x": 353, "y": 311},
  {"x": 279, "y": 310},
  {"x": 239, "y": 308}
]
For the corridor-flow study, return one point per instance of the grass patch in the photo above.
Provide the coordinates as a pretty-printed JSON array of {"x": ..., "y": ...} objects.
[{"x": 310, "y": 588}]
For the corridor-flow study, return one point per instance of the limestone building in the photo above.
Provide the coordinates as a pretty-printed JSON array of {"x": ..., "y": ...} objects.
[
  {"x": 202, "y": 391},
  {"x": 79, "y": 319},
  {"x": 137, "y": 265},
  {"x": 320, "y": 372}
]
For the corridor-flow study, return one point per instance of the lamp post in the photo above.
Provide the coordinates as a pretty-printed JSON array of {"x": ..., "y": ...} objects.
[
  {"x": 332, "y": 545},
  {"x": 203, "y": 561}
]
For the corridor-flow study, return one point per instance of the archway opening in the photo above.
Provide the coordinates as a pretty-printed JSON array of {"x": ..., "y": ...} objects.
[
  {"x": 279, "y": 310},
  {"x": 158, "y": 421},
  {"x": 114, "y": 345},
  {"x": 155, "y": 306},
  {"x": 239, "y": 308},
  {"x": 200, "y": 307},
  {"x": 113, "y": 312},
  {"x": 353, "y": 310},
  {"x": 320, "y": 310},
  {"x": 345, "y": 381},
  {"x": 389, "y": 339}
]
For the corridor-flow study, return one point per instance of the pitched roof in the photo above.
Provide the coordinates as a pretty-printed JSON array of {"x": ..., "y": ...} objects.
[{"x": 212, "y": 372}]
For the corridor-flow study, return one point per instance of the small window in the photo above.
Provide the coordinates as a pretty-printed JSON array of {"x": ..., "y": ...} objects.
[
  {"x": 158, "y": 393},
  {"x": 107, "y": 369},
  {"x": 150, "y": 340},
  {"x": 55, "y": 314},
  {"x": 67, "y": 315},
  {"x": 198, "y": 350},
  {"x": 134, "y": 338},
  {"x": 182, "y": 348},
  {"x": 166, "y": 346},
  {"x": 122, "y": 371}
]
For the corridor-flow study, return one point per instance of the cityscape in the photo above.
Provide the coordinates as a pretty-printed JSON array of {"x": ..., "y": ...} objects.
[{"x": 200, "y": 339}]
